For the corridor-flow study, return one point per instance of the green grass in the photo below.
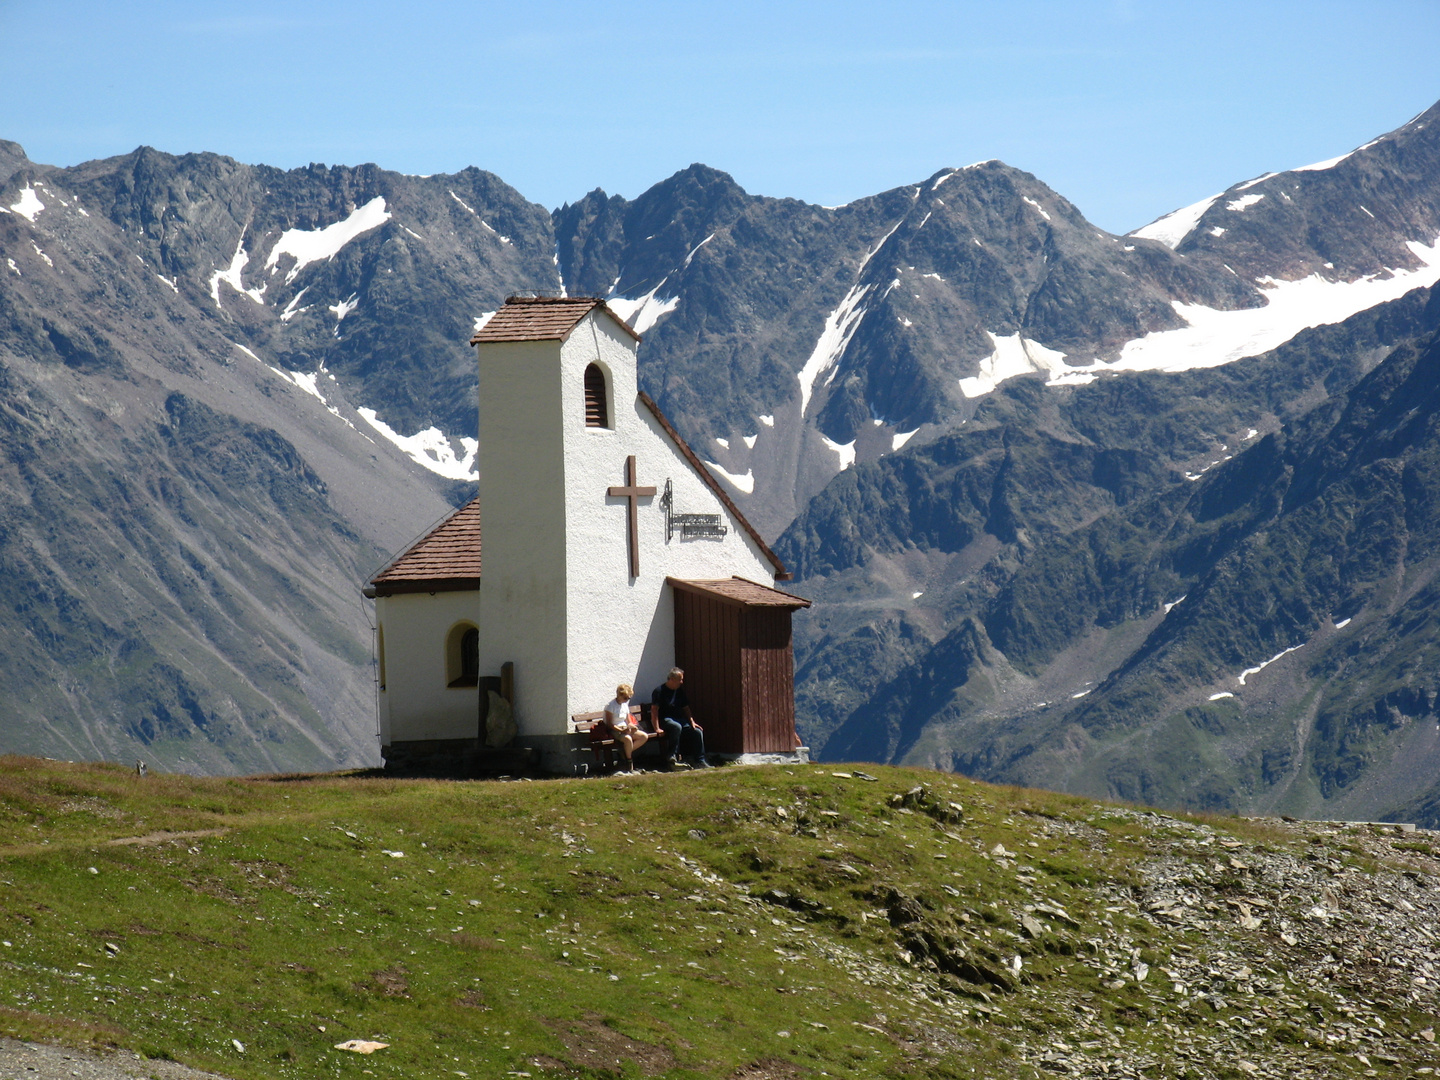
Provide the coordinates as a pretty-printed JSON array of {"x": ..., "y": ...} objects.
[{"x": 685, "y": 925}]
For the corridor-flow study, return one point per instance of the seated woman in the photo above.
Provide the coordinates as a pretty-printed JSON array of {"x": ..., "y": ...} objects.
[{"x": 627, "y": 733}]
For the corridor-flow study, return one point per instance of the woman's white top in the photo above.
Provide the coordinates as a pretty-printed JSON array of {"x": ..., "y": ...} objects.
[{"x": 617, "y": 715}]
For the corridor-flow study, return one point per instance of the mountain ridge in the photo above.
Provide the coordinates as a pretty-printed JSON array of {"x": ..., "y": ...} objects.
[{"x": 933, "y": 393}]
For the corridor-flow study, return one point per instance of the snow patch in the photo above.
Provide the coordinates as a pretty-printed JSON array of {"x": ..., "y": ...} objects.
[
  {"x": 463, "y": 203},
  {"x": 1176, "y": 225},
  {"x": 231, "y": 276},
  {"x": 345, "y": 307},
  {"x": 29, "y": 204},
  {"x": 1256, "y": 670},
  {"x": 642, "y": 314},
  {"x": 723, "y": 442},
  {"x": 48, "y": 261},
  {"x": 1014, "y": 355},
  {"x": 1330, "y": 163},
  {"x": 412, "y": 232},
  {"x": 917, "y": 595},
  {"x": 846, "y": 451},
  {"x": 840, "y": 327},
  {"x": 768, "y": 421},
  {"x": 1218, "y": 231},
  {"x": 749, "y": 440},
  {"x": 941, "y": 179},
  {"x": 1239, "y": 205},
  {"x": 306, "y": 246},
  {"x": 11, "y": 263},
  {"x": 1257, "y": 180},
  {"x": 1342, "y": 624},
  {"x": 744, "y": 483},
  {"x": 174, "y": 283},
  {"x": 1037, "y": 206},
  {"x": 937, "y": 277},
  {"x": 697, "y": 247},
  {"x": 430, "y": 448},
  {"x": 1212, "y": 337},
  {"x": 483, "y": 318},
  {"x": 1222, "y": 694},
  {"x": 292, "y": 309},
  {"x": 250, "y": 354},
  {"x": 305, "y": 381},
  {"x": 900, "y": 438},
  {"x": 308, "y": 382},
  {"x": 1173, "y": 603}
]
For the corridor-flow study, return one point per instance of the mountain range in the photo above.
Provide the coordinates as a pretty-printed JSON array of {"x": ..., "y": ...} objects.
[{"x": 1054, "y": 490}]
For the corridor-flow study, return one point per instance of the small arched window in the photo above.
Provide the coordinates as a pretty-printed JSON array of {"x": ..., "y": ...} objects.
[
  {"x": 596, "y": 414},
  {"x": 463, "y": 659}
]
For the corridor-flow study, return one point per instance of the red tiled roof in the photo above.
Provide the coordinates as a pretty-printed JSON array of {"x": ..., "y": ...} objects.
[
  {"x": 542, "y": 318},
  {"x": 738, "y": 590},
  {"x": 781, "y": 574},
  {"x": 446, "y": 559}
]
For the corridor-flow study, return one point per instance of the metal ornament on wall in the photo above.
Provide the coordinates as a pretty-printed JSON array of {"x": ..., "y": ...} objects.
[{"x": 690, "y": 525}]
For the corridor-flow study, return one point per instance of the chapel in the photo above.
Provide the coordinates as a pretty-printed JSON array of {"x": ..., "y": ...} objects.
[{"x": 610, "y": 554}]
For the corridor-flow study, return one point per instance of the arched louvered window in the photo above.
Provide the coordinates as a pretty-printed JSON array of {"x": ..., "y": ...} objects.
[{"x": 596, "y": 414}]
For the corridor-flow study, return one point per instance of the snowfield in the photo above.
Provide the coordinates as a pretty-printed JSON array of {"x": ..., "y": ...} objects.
[{"x": 306, "y": 246}]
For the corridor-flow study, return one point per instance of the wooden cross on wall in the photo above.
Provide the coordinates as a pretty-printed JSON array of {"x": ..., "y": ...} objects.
[{"x": 631, "y": 493}]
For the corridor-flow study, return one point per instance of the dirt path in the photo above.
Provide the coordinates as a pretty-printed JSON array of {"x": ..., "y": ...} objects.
[{"x": 37, "y": 1061}]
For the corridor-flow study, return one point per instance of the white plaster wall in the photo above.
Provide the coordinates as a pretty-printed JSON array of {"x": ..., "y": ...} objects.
[
  {"x": 416, "y": 702},
  {"x": 622, "y": 629},
  {"x": 522, "y": 526}
]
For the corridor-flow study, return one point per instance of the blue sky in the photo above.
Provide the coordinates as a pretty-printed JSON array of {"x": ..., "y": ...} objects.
[{"x": 1127, "y": 108}]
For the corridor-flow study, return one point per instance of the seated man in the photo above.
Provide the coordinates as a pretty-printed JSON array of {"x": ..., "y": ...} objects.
[{"x": 670, "y": 710}]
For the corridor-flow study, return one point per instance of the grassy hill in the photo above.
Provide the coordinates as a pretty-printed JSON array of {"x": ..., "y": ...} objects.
[{"x": 759, "y": 922}]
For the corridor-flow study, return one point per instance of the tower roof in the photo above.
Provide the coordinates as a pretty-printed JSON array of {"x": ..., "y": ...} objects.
[{"x": 542, "y": 318}]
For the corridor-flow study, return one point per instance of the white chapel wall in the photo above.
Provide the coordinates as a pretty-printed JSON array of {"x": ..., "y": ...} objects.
[
  {"x": 522, "y": 525},
  {"x": 417, "y": 703},
  {"x": 622, "y": 629}
]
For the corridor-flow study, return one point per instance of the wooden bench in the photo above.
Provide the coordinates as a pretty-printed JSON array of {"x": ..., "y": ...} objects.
[{"x": 603, "y": 745}]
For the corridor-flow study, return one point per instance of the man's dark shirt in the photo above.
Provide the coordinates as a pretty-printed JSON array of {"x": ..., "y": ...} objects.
[{"x": 673, "y": 703}]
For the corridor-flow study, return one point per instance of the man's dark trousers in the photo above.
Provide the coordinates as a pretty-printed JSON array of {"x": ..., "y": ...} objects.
[{"x": 682, "y": 738}]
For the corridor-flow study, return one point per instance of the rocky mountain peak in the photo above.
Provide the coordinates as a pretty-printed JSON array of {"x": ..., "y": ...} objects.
[{"x": 1353, "y": 216}]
